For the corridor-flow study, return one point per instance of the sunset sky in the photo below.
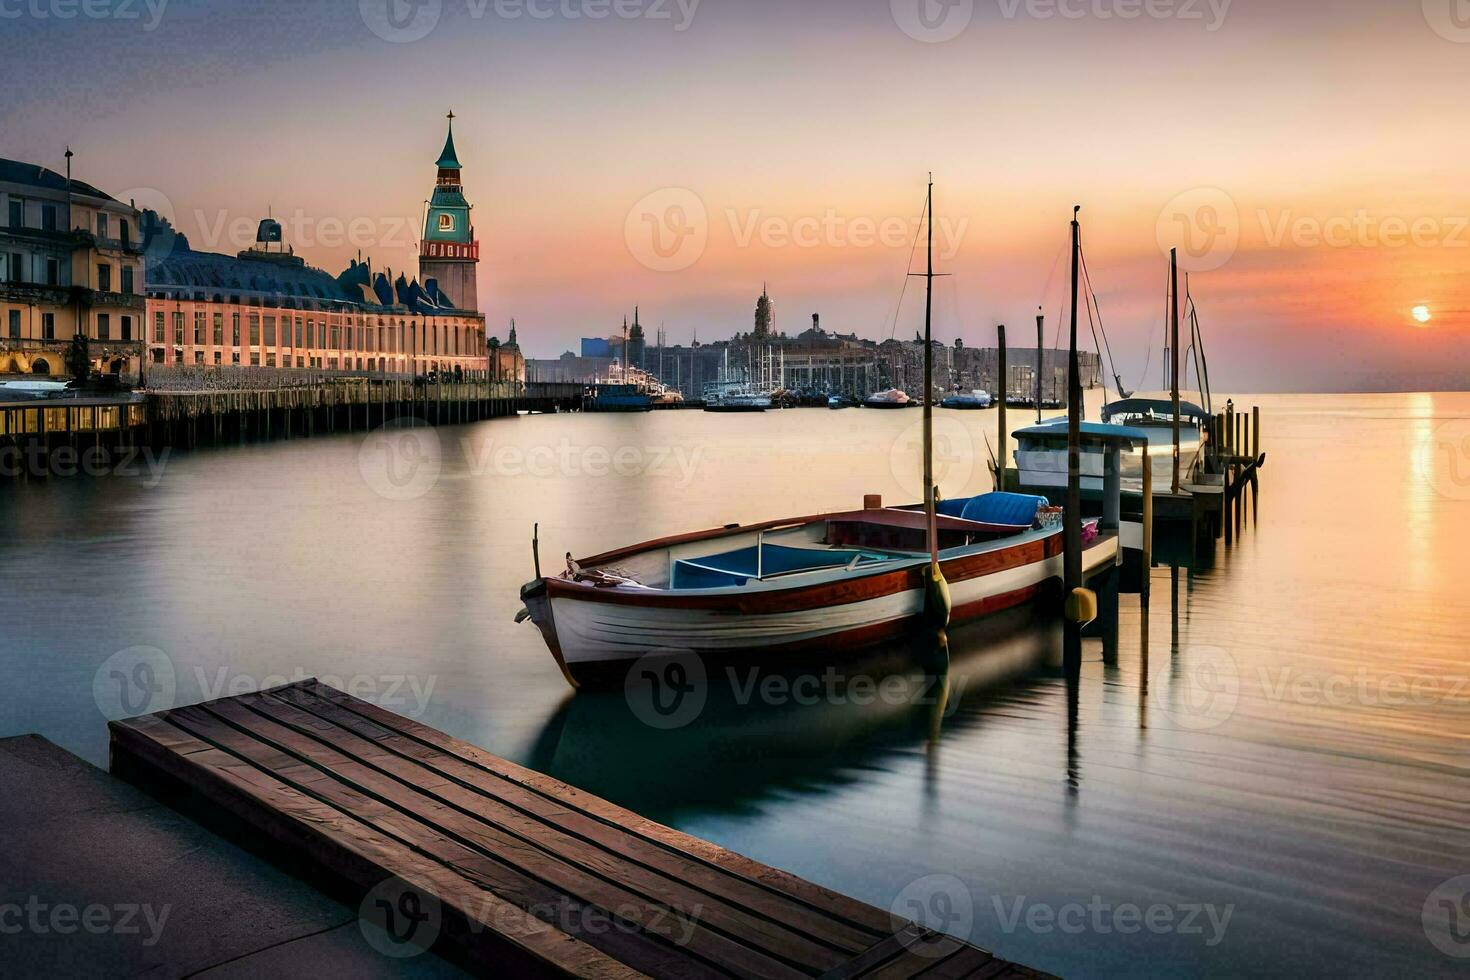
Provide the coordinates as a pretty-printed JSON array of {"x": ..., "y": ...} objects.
[{"x": 1309, "y": 157}]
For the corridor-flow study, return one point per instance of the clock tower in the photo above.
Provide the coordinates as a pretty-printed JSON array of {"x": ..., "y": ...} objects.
[{"x": 449, "y": 252}]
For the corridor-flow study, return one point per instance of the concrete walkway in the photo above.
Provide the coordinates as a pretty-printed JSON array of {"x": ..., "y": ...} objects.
[{"x": 99, "y": 879}]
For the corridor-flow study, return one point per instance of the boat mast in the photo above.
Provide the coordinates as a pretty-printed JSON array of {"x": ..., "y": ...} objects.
[
  {"x": 929, "y": 503},
  {"x": 1072, "y": 540},
  {"x": 1174, "y": 353}
]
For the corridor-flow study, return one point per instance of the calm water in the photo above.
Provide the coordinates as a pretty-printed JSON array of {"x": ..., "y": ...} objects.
[{"x": 1280, "y": 780}]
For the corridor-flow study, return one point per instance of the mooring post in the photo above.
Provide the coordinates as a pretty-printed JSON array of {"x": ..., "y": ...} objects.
[
  {"x": 1001, "y": 444},
  {"x": 1148, "y": 527}
]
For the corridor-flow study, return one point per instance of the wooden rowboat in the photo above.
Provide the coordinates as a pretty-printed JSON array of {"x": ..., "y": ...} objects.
[{"x": 831, "y": 585}]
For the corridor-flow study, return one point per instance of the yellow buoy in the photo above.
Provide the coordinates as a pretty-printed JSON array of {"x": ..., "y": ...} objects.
[{"x": 1082, "y": 606}]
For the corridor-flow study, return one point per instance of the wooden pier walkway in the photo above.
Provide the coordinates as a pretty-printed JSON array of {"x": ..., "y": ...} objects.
[{"x": 525, "y": 875}]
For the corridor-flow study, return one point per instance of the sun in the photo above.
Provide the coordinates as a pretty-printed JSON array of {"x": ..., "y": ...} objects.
[{"x": 1422, "y": 314}]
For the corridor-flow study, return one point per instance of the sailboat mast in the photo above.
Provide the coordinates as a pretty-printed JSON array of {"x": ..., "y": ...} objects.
[
  {"x": 1174, "y": 353},
  {"x": 1040, "y": 359},
  {"x": 930, "y": 506},
  {"x": 1072, "y": 540}
]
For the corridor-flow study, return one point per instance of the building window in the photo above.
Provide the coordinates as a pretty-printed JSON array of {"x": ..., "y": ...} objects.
[
  {"x": 126, "y": 323},
  {"x": 255, "y": 358},
  {"x": 17, "y": 213},
  {"x": 124, "y": 231},
  {"x": 298, "y": 338},
  {"x": 48, "y": 326},
  {"x": 219, "y": 357},
  {"x": 219, "y": 330},
  {"x": 235, "y": 329},
  {"x": 48, "y": 217},
  {"x": 104, "y": 326},
  {"x": 104, "y": 277},
  {"x": 17, "y": 268},
  {"x": 15, "y": 324},
  {"x": 101, "y": 225},
  {"x": 127, "y": 279},
  {"x": 53, "y": 272},
  {"x": 255, "y": 333},
  {"x": 158, "y": 327},
  {"x": 178, "y": 332},
  {"x": 199, "y": 332},
  {"x": 199, "y": 358},
  {"x": 270, "y": 335},
  {"x": 310, "y": 333}
]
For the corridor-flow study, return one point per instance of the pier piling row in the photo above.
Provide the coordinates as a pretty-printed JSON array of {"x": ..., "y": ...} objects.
[{"x": 32, "y": 432}]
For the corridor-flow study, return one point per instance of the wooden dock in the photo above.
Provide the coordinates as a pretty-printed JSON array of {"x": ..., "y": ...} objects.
[{"x": 525, "y": 875}]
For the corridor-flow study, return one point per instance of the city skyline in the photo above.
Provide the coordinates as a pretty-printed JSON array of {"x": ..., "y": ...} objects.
[{"x": 1312, "y": 243}]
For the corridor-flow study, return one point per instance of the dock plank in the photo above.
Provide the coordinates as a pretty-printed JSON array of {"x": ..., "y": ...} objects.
[{"x": 529, "y": 872}]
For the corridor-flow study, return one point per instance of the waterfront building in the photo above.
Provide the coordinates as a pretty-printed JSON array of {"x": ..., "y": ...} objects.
[
  {"x": 267, "y": 308},
  {"x": 71, "y": 261}
]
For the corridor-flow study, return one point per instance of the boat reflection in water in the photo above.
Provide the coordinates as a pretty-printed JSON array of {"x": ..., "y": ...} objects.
[{"x": 684, "y": 736}]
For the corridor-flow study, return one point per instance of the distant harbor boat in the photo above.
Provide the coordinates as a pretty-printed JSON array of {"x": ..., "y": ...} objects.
[
  {"x": 620, "y": 398},
  {"x": 893, "y": 398},
  {"x": 967, "y": 401},
  {"x": 738, "y": 402}
]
